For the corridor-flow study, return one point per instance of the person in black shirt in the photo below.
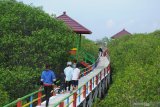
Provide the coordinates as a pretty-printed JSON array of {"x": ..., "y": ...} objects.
[{"x": 60, "y": 83}]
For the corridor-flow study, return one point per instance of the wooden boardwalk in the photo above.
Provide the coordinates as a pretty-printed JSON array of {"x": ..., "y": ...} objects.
[{"x": 103, "y": 62}]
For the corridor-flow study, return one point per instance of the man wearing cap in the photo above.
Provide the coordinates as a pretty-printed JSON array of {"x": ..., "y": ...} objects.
[{"x": 68, "y": 73}]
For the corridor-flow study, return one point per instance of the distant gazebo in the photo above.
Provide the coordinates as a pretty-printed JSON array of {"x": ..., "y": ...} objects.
[
  {"x": 75, "y": 26},
  {"x": 120, "y": 34}
]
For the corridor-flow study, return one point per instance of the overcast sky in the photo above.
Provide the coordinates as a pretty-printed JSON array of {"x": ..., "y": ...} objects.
[{"x": 107, "y": 17}]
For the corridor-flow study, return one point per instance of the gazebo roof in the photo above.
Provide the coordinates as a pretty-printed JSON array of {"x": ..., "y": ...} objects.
[
  {"x": 120, "y": 34},
  {"x": 74, "y": 25}
]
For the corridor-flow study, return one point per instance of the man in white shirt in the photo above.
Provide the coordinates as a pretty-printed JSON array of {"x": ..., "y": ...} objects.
[
  {"x": 68, "y": 73},
  {"x": 75, "y": 76}
]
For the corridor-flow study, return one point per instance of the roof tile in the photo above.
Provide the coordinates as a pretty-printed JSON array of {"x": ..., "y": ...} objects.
[
  {"x": 120, "y": 34},
  {"x": 74, "y": 25}
]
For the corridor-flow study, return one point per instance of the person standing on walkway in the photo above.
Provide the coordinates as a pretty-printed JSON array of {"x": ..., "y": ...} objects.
[
  {"x": 47, "y": 79},
  {"x": 68, "y": 73},
  {"x": 100, "y": 51},
  {"x": 76, "y": 76},
  {"x": 61, "y": 82}
]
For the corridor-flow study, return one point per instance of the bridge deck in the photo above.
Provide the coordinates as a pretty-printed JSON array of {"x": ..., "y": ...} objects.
[{"x": 102, "y": 63}]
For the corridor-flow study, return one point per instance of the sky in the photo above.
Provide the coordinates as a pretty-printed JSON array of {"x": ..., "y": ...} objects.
[{"x": 107, "y": 17}]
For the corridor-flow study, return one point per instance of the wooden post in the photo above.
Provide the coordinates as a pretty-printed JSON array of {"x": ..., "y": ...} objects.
[
  {"x": 104, "y": 72},
  {"x": 84, "y": 91},
  {"x": 74, "y": 99},
  {"x": 90, "y": 88},
  {"x": 108, "y": 68},
  {"x": 90, "y": 68},
  {"x": 87, "y": 87},
  {"x": 39, "y": 98},
  {"x": 61, "y": 104},
  {"x": 67, "y": 100},
  {"x": 84, "y": 72},
  {"x": 79, "y": 97},
  {"x": 96, "y": 79},
  {"x": 19, "y": 104},
  {"x": 80, "y": 37},
  {"x": 31, "y": 99},
  {"x": 93, "y": 82}
]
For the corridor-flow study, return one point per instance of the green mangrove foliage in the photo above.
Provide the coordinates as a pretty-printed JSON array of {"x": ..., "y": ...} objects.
[
  {"x": 29, "y": 38},
  {"x": 135, "y": 63}
]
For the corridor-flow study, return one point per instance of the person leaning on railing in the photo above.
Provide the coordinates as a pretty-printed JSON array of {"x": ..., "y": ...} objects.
[{"x": 47, "y": 80}]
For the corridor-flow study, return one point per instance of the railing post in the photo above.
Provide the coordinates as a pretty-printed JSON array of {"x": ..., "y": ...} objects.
[
  {"x": 84, "y": 72},
  {"x": 93, "y": 82},
  {"x": 84, "y": 91},
  {"x": 90, "y": 68},
  {"x": 104, "y": 72},
  {"x": 39, "y": 98},
  {"x": 68, "y": 100},
  {"x": 90, "y": 86},
  {"x": 108, "y": 68},
  {"x": 19, "y": 104},
  {"x": 79, "y": 97},
  {"x": 100, "y": 76},
  {"x": 96, "y": 79},
  {"x": 61, "y": 104},
  {"x": 87, "y": 87},
  {"x": 74, "y": 99},
  {"x": 31, "y": 99}
]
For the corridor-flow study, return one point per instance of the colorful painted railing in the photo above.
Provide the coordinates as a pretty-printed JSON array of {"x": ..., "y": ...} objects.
[
  {"x": 19, "y": 102},
  {"x": 83, "y": 91},
  {"x": 88, "y": 57},
  {"x": 35, "y": 98},
  {"x": 88, "y": 69},
  {"x": 83, "y": 55},
  {"x": 75, "y": 98}
]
